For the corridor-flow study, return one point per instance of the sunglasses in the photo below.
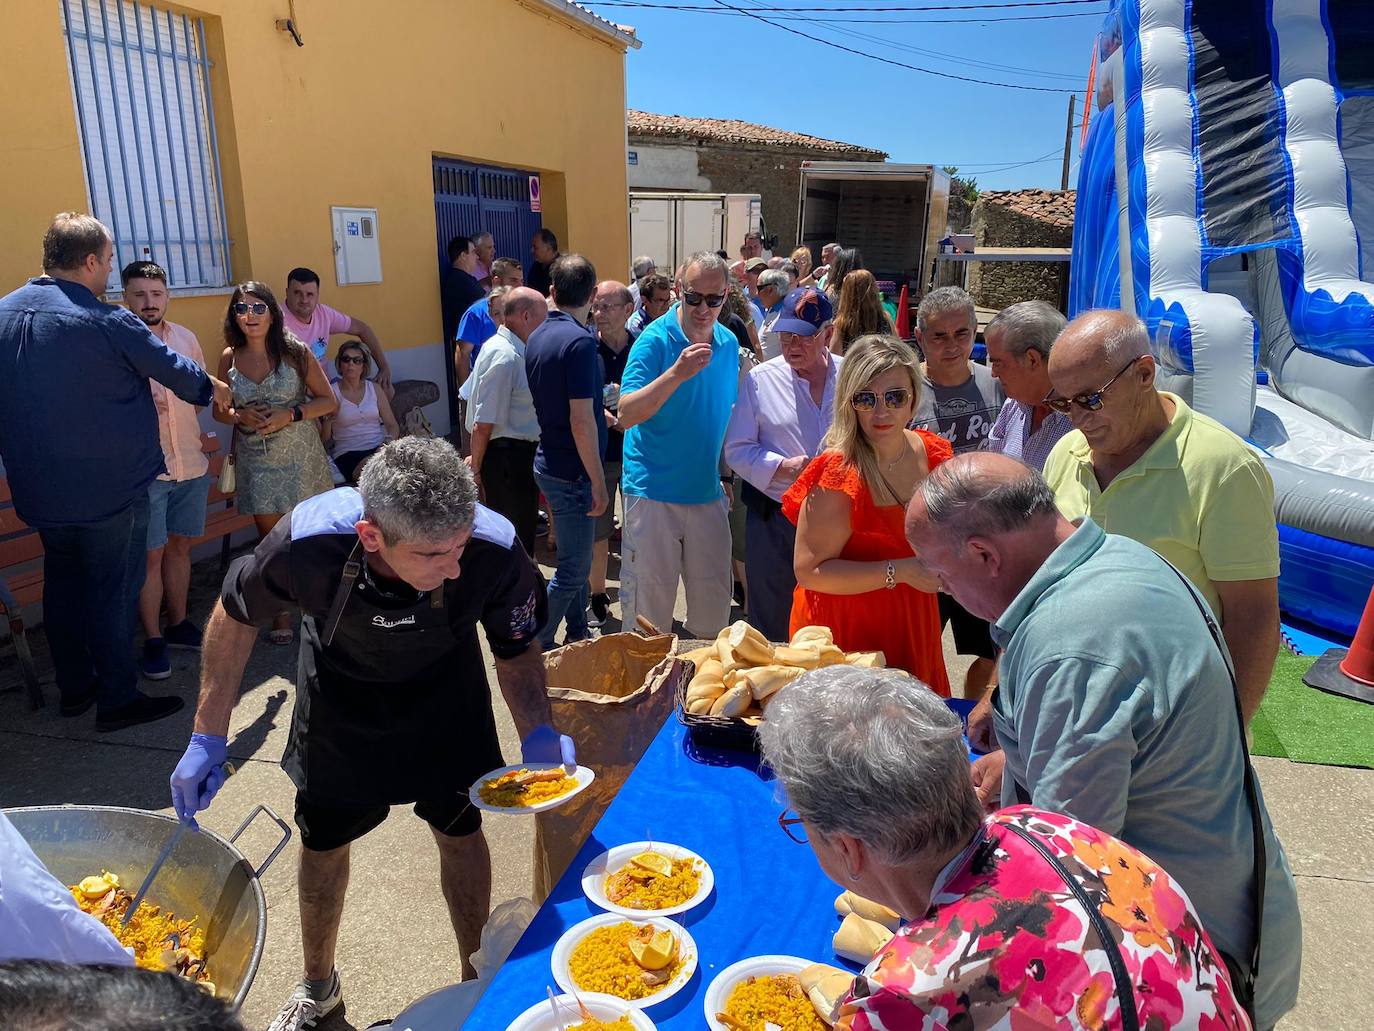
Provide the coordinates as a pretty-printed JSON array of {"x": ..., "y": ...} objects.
[
  {"x": 244, "y": 307},
  {"x": 867, "y": 400},
  {"x": 1088, "y": 402},
  {"x": 787, "y": 823},
  {"x": 351, "y": 359},
  {"x": 693, "y": 299}
]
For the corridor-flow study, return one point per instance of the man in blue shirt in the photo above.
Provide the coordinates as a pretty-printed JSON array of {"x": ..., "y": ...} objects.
[
  {"x": 564, "y": 372},
  {"x": 1117, "y": 706},
  {"x": 79, "y": 439},
  {"x": 675, "y": 400}
]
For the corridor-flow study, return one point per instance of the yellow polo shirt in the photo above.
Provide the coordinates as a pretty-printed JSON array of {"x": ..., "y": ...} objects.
[{"x": 1199, "y": 496}]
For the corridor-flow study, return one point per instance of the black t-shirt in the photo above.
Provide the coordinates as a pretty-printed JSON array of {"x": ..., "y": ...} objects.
[
  {"x": 538, "y": 278},
  {"x": 456, "y": 295},
  {"x": 737, "y": 326},
  {"x": 301, "y": 561},
  {"x": 612, "y": 368}
]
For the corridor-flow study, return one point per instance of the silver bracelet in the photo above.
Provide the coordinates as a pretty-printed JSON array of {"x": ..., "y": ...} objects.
[{"x": 890, "y": 578}]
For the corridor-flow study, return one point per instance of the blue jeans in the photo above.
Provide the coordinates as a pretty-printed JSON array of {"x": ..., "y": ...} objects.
[
  {"x": 92, "y": 576},
  {"x": 569, "y": 593}
]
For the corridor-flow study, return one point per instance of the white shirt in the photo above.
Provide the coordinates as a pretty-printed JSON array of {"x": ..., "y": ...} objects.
[
  {"x": 500, "y": 391},
  {"x": 775, "y": 418}
]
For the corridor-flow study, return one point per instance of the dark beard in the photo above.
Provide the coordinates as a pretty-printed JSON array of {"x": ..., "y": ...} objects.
[{"x": 150, "y": 325}]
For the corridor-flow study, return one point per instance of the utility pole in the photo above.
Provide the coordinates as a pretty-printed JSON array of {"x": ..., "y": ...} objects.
[{"x": 1068, "y": 143}]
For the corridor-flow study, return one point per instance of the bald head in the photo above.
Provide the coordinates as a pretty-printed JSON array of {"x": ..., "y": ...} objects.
[
  {"x": 609, "y": 291},
  {"x": 979, "y": 494},
  {"x": 525, "y": 309},
  {"x": 1102, "y": 340}
]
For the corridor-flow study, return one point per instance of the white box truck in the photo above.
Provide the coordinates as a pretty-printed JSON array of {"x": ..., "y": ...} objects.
[
  {"x": 670, "y": 226},
  {"x": 894, "y": 214}
]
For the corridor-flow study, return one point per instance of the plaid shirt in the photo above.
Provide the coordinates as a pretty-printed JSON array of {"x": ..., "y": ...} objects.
[{"x": 1011, "y": 434}]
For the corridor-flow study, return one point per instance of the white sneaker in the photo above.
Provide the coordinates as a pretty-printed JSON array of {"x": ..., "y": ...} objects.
[{"x": 302, "y": 1010}]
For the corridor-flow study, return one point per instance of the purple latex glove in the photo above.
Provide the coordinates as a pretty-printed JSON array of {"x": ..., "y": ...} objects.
[
  {"x": 546, "y": 745},
  {"x": 198, "y": 776}
]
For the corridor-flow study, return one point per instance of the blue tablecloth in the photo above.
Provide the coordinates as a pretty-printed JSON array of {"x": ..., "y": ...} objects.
[{"x": 770, "y": 896}]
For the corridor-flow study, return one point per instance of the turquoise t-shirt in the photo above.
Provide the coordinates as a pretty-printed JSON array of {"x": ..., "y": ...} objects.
[{"x": 675, "y": 456}]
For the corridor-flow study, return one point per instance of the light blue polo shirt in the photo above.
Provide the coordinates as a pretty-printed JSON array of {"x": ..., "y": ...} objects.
[
  {"x": 674, "y": 457},
  {"x": 1116, "y": 708}
]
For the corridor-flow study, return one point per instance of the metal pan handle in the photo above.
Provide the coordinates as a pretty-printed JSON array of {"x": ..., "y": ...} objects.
[{"x": 285, "y": 835}]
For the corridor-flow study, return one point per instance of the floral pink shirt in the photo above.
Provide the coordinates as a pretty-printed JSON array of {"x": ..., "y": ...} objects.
[{"x": 1006, "y": 944}]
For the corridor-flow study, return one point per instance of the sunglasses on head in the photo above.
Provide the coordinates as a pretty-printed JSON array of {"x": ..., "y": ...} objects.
[
  {"x": 693, "y": 299},
  {"x": 244, "y": 307},
  {"x": 867, "y": 400},
  {"x": 1088, "y": 402},
  {"x": 351, "y": 359}
]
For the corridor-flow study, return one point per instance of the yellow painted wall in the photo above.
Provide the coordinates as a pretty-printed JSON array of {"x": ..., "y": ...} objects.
[{"x": 352, "y": 118}]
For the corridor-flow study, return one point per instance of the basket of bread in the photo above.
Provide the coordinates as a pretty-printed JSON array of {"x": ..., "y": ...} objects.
[{"x": 734, "y": 679}]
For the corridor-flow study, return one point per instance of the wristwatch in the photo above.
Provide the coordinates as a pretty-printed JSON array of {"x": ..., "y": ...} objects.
[
  {"x": 890, "y": 576},
  {"x": 296, "y": 414}
]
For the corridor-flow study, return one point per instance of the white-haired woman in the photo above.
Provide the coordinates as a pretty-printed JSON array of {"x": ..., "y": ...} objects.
[
  {"x": 856, "y": 573},
  {"x": 1021, "y": 919}
]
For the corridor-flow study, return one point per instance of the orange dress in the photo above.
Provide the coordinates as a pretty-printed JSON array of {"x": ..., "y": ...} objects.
[{"x": 903, "y": 623}]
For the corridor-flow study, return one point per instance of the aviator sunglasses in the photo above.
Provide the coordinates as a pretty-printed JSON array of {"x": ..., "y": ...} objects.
[
  {"x": 867, "y": 400},
  {"x": 1088, "y": 402},
  {"x": 244, "y": 307}
]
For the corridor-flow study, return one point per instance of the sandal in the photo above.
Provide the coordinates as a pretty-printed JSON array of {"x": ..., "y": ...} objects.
[{"x": 282, "y": 636}]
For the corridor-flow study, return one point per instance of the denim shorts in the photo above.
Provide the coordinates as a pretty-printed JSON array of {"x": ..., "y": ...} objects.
[{"x": 176, "y": 507}]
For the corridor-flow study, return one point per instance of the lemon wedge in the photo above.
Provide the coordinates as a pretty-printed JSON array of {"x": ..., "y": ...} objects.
[
  {"x": 654, "y": 862},
  {"x": 656, "y": 953},
  {"x": 98, "y": 887}
]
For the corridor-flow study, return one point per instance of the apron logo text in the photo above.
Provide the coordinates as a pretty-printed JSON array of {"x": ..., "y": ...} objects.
[{"x": 387, "y": 624}]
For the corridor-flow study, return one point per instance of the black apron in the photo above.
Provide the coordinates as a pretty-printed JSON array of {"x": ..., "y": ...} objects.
[{"x": 392, "y": 705}]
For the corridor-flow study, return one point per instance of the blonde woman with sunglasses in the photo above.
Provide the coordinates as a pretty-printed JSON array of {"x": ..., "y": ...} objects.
[{"x": 856, "y": 573}]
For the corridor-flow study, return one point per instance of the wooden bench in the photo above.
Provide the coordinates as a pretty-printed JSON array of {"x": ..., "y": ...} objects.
[{"x": 21, "y": 555}]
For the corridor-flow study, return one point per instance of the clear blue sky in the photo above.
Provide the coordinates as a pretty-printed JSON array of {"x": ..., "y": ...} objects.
[{"x": 730, "y": 66}]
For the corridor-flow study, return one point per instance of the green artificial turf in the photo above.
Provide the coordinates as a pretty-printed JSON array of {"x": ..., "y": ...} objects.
[{"x": 1311, "y": 726}]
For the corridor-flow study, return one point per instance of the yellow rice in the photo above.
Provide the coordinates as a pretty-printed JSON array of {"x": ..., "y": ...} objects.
[
  {"x": 620, "y": 1024},
  {"x": 648, "y": 890},
  {"x": 503, "y": 792},
  {"x": 148, "y": 930},
  {"x": 601, "y": 962},
  {"x": 777, "y": 999}
]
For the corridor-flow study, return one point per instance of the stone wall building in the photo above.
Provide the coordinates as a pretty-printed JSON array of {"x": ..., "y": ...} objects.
[
  {"x": 673, "y": 152},
  {"x": 1021, "y": 218}
]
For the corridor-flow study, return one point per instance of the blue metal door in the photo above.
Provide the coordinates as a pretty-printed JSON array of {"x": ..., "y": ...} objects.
[{"x": 471, "y": 198}]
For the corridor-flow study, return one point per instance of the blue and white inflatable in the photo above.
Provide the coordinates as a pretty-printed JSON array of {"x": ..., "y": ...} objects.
[{"x": 1226, "y": 193}]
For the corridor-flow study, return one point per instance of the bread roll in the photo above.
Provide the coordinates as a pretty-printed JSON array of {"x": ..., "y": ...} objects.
[
  {"x": 699, "y": 655},
  {"x": 700, "y": 706},
  {"x": 710, "y": 667},
  {"x": 749, "y": 647},
  {"x": 733, "y": 702},
  {"x": 866, "y": 660},
  {"x": 765, "y": 680},
  {"x": 830, "y": 655},
  {"x": 826, "y": 987},
  {"x": 858, "y": 939},
  {"x": 806, "y": 656},
  {"x": 848, "y": 903},
  {"x": 819, "y": 634},
  {"x": 725, "y": 655},
  {"x": 711, "y": 690}
]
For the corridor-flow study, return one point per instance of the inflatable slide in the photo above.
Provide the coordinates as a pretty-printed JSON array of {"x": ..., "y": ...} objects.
[{"x": 1226, "y": 193}]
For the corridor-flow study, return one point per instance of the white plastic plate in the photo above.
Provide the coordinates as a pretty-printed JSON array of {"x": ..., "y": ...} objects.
[
  {"x": 718, "y": 992},
  {"x": 603, "y": 1007},
  {"x": 563, "y": 950},
  {"x": 594, "y": 877},
  {"x": 583, "y": 776}
]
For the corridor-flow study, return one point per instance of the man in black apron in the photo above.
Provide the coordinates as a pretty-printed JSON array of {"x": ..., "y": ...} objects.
[{"x": 392, "y": 703}]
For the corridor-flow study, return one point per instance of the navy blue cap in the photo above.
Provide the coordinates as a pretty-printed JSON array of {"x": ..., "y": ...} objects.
[{"x": 804, "y": 311}]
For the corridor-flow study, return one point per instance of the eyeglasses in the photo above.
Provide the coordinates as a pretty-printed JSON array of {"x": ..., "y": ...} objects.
[
  {"x": 611, "y": 306},
  {"x": 244, "y": 307},
  {"x": 351, "y": 359},
  {"x": 693, "y": 299},
  {"x": 1089, "y": 402},
  {"x": 867, "y": 400},
  {"x": 787, "y": 823}
]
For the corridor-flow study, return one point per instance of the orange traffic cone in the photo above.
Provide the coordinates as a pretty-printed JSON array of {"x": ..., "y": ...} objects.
[{"x": 1349, "y": 671}]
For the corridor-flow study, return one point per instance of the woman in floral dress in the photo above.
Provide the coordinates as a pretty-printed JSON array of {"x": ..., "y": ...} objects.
[
  {"x": 1021, "y": 920},
  {"x": 279, "y": 392}
]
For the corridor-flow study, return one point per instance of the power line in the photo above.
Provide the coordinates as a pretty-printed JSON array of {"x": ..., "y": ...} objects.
[
  {"x": 972, "y": 20},
  {"x": 792, "y": 8},
  {"x": 901, "y": 64}
]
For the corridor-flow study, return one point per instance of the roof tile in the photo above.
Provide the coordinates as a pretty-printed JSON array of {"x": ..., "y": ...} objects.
[
  {"x": 1052, "y": 206},
  {"x": 722, "y": 130}
]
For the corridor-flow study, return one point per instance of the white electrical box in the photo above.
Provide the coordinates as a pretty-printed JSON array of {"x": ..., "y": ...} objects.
[{"x": 357, "y": 247}]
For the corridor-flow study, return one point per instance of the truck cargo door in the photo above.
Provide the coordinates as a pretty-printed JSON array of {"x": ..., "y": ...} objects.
[{"x": 652, "y": 228}]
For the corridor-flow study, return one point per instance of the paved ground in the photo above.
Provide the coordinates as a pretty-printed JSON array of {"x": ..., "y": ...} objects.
[{"x": 396, "y": 943}]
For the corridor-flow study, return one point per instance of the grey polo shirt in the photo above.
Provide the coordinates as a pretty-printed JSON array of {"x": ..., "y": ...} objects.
[
  {"x": 1116, "y": 708},
  {"x": 501, "y": 391}
]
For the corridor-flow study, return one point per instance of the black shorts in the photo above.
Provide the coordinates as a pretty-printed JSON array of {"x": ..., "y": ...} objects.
[
  {"x": 972, "y": 635},
  {"x": 326, "y": 827}
]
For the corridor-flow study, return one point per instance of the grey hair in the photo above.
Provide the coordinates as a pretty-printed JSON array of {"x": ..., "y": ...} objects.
[
  {"x": 706, "y": 261},
  {"x": 642, "y": 266},
  {"x": 1127, "y": 339},
  {"x": 485, "y": 234},
  {"x": 875, "y": 754},
  {"x": 1028, "y": 326},
  {"x": 964, "y": 498},
  {"x": 418, "y": 489},
  {"x": 497, "y": 293},
  {"x": 942, "y": 301},
  {"x": 776, "y": 278}
]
